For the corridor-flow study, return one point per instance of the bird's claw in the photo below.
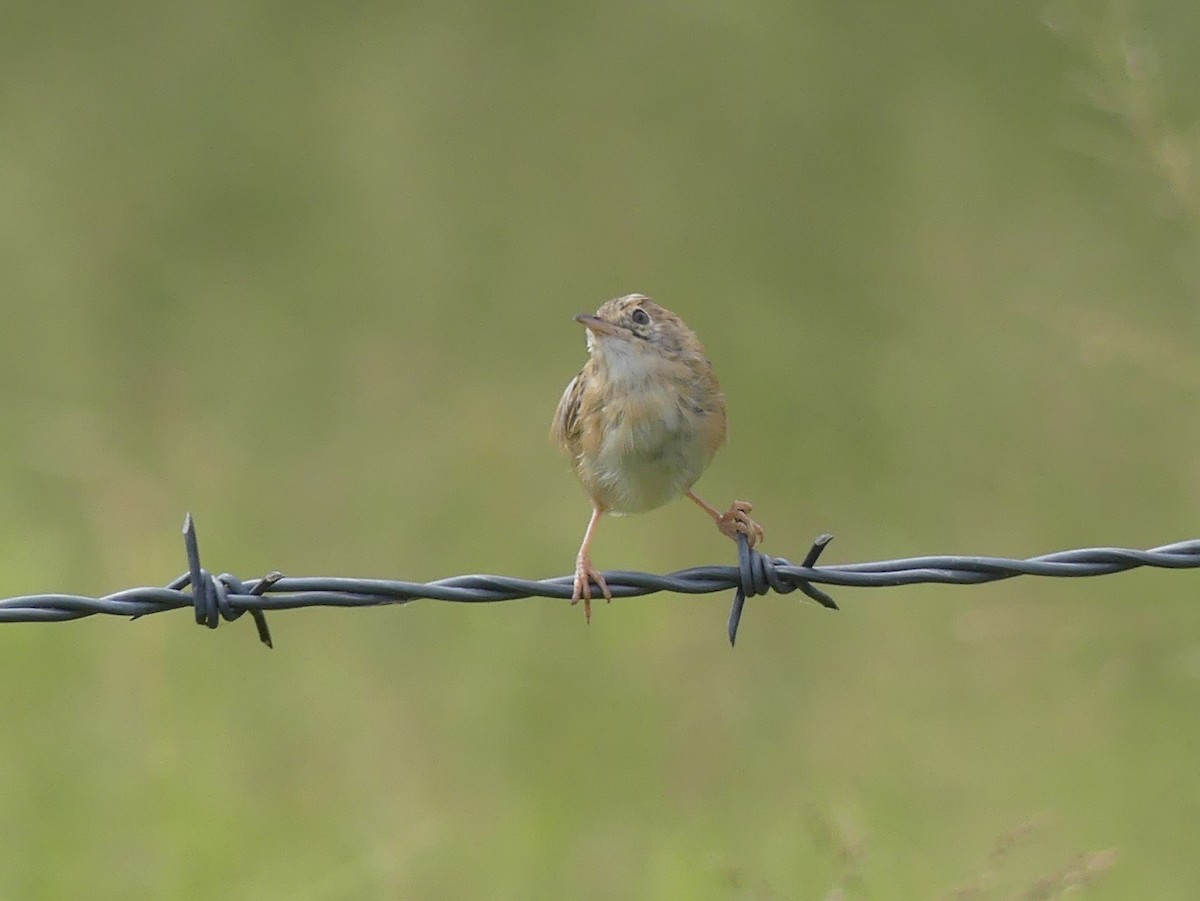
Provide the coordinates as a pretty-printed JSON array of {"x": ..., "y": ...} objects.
[
  {"x": 585, "y": 574},
  {"x": 737, "y": 520}
]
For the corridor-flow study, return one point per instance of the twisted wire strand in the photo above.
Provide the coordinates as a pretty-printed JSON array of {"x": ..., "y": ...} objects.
[{"x": 225, "y": 597}]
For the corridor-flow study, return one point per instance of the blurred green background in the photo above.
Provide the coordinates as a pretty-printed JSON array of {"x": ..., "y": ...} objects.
[{"x": 307, "y": 271}]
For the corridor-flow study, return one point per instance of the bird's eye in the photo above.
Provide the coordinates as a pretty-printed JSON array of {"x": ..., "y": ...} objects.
[{"x": 640, "y": 317}]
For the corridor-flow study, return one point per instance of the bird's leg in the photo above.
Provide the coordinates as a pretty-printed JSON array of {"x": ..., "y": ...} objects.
[
  {"x": 585, "y": 573},
  {"x": 734, "y": 520}
]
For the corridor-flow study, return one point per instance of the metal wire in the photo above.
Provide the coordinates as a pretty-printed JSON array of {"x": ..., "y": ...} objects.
[{"x": 225, "y": 597}]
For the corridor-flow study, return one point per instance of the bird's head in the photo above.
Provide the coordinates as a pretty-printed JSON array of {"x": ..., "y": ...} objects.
[{"x": 634, "y": 326}]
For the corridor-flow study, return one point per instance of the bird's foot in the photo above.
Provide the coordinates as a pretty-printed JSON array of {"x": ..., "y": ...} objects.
[
  {"x": 736, "y": 520},
  {"x": 585, "y": 574}
]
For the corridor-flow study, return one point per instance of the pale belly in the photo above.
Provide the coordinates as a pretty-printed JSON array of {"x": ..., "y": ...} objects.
[{"x": 642, "y": 467}]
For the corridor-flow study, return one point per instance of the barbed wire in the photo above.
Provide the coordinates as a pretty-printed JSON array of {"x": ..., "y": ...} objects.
[{"x": 225, "y": 597}]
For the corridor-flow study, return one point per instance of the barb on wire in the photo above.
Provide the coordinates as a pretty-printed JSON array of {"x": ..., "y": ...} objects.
[{"x": 225, "y": 597}]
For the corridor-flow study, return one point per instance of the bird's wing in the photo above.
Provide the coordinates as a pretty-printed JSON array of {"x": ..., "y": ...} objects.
[{"x": 565, "y": 427}]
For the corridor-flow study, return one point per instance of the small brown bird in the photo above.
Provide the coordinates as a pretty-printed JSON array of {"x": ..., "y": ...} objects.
[{"x": 641, "y": 422}]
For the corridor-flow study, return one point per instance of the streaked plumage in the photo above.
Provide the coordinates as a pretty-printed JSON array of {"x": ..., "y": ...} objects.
[
  {"x": 640, "y": 427},
  {"x": 642, "y": 420}
]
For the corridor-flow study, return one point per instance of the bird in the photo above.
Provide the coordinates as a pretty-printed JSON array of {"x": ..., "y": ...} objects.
[{"x": 640, "y": 423}]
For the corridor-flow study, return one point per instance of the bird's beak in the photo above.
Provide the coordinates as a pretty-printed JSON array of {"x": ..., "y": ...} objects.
[{"x": 598, "y": 326}]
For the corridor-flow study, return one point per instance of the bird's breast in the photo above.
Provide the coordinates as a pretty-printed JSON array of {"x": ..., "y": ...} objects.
[{"x": 649, "y": 446}]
